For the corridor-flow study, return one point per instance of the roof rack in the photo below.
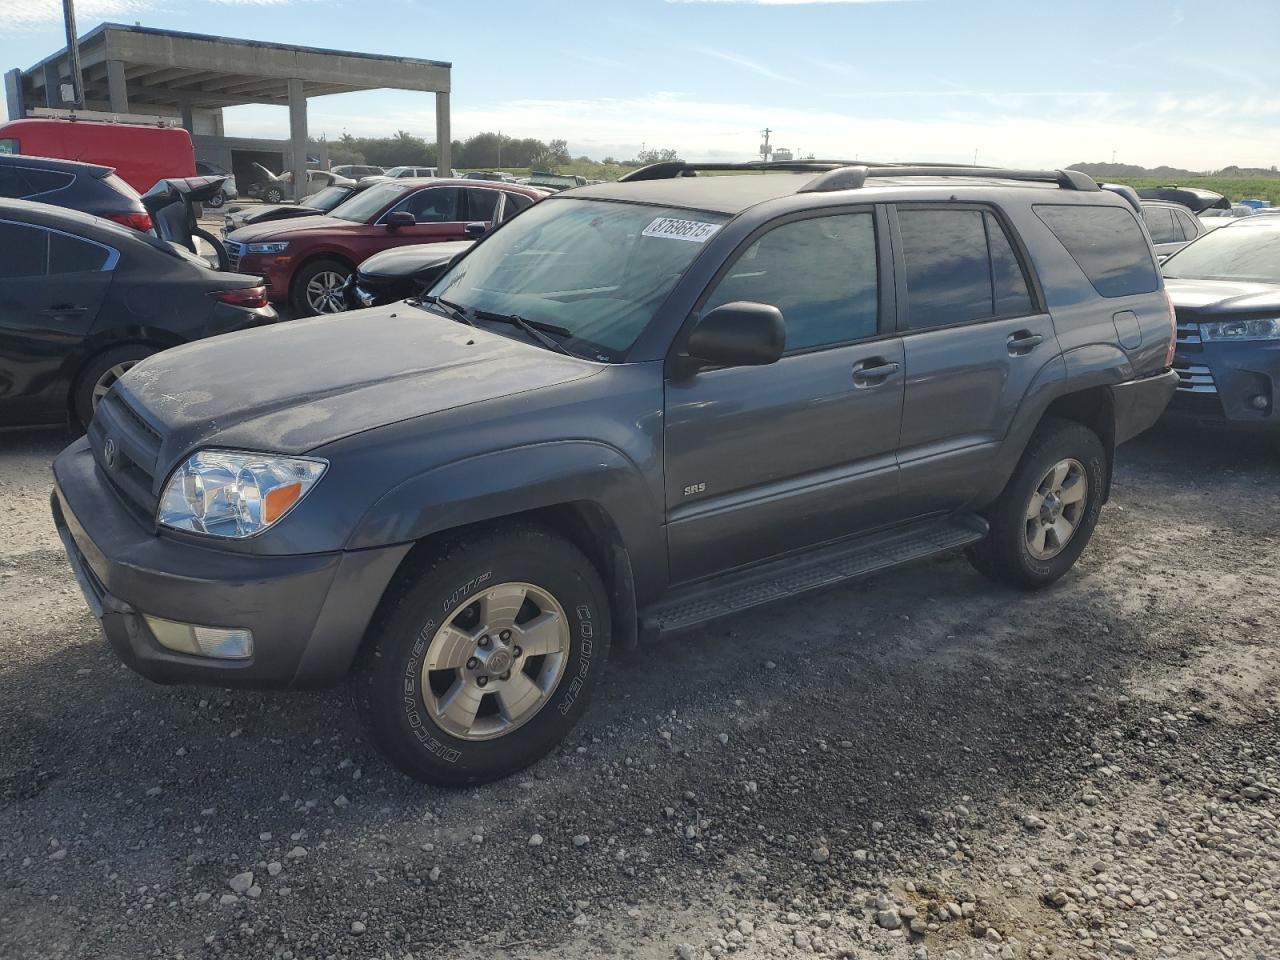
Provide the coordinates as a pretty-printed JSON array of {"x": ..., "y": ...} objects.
[{"x": 852, "y": 175}]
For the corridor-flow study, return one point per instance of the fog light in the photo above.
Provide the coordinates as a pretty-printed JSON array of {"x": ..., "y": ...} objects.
[
  {"x": 222, "y": 643},
  {"x": 1259, "y": 402}
]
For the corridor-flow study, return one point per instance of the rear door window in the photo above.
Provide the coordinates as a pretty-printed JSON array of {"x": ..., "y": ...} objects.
[
  {"x": 947, "y": 266},
  {"x": 73, "y": 255},
  {"x": 1160, "y": 223},
  {"x": 26, "y": 251},
  {"x": 482, "y": 205},
  {"x": 1011, "y": 295},
  {"x": 1189, "y": 229},
  {"x": 1107, "y": 244},
  {"x": 515, "y": 203}
]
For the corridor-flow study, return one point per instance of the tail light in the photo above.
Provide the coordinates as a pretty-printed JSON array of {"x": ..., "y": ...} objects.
[
  {"x": 138, "y": 221},
  {"x": 1173, "y": 329},
  {"x": 248, "y": 297}
]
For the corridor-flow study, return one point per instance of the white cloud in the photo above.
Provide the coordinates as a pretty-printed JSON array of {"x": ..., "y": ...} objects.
[
  {"x": 1050, "y": 130},
  {"x": 746, "y": 63},
  {"x": 26, "y": 14},
  {"x": 791, "y": 3}
]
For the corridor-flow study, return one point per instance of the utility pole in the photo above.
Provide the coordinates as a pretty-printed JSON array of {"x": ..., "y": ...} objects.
[
  {"x": 765, "y": 149},
  {"x": 73, "y": 54}
]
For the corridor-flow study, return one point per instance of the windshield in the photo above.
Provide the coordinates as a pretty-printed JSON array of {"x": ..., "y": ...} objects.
[
  {"x": 1237, "y": 252},
  {"x": 363, "y": 206},
  {"x": 595, "y": 268},
  {"x": 326, "y": 199}
]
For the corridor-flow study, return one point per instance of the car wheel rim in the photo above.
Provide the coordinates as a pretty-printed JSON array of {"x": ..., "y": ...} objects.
[
  {"x": 495, "y": 661},
  {"x": 324, "y": 292},
  {"x": 1056, "y": 509},
  {"x": 108, "y": 380}
]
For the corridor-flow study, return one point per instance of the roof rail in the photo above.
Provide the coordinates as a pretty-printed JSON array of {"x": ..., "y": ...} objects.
[
  {"x": 853, "y": 177},
  {"x": 669, "y": 169}
]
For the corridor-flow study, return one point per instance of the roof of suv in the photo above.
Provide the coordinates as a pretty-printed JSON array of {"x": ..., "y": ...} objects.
[
  {"x": 732, "y": 194},
  {"x": 49, "y": 163}
]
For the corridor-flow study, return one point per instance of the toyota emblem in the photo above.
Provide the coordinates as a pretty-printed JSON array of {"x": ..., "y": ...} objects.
[{"x": 109, "y": 452}]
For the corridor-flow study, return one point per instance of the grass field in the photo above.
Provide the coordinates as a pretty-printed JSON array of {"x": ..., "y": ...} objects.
[{"x": 1233, "y": 188}]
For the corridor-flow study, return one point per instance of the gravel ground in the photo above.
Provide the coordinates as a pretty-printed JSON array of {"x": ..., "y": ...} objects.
[{"x": 922, "y": 765}]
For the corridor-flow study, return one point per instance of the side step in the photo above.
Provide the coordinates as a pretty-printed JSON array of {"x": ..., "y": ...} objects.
[{"x": 791, "y": 576}]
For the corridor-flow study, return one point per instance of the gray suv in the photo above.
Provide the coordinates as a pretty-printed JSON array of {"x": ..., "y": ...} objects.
[{"x": 634, "y": 408}]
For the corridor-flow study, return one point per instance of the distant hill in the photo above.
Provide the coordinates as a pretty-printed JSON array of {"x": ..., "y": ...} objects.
[{"x": 1127, "y": 171}]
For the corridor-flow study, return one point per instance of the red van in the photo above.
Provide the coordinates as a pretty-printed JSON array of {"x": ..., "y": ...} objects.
[{"x": 141, "y": 154}]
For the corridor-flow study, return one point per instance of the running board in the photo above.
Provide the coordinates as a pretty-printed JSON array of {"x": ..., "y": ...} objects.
[{"x": 791, "y": 576}]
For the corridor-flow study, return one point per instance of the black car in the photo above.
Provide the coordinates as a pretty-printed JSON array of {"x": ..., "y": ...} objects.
[
  {"x": 401, "y": 272},
  {"x": 83, "y": 299},
  {"x": 320, "y": 202},
  {"x": 87, "y": 187},
  {"x": 635, "y": 407},
  {"x": 1197, "y": 199},
  {"x": 1225, "y": 289}
]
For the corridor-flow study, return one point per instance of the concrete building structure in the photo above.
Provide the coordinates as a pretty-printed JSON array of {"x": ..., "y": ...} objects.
[{"x": 192, "y": 77}]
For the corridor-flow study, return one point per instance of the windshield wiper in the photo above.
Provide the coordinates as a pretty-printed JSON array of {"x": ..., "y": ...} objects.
[
  {"x": 536, "y": 329},
  {"x": 448, "y": 308}
]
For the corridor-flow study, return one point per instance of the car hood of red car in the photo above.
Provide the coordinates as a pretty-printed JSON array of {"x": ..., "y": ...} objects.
[{"x": 296, "y": 226}]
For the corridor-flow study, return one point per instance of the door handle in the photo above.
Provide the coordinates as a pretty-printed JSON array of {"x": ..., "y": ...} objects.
[
  {"x": 62, "y": 310},
  {"x": 870, "y": 373},
  {"x": 1023, "y": 342}
]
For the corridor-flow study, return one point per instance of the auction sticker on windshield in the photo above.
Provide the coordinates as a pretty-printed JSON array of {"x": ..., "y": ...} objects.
[{"x": 694, "y": 231}]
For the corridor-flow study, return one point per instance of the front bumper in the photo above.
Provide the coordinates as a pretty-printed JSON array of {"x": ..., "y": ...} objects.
[
  {"x": 1236, "y": 384},
  {"x": 276, "y": 271},
  {"x": 308, "y": 613}
]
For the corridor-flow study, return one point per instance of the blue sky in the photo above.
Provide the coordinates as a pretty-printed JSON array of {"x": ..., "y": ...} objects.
[{"x": 1020, "y": 83}]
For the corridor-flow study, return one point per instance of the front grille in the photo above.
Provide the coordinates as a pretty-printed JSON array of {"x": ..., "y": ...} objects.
[
  {"x": 1194, "y": 377},
  {"x": 235, "y": 250},
  {"x": 135, "y": 452}
]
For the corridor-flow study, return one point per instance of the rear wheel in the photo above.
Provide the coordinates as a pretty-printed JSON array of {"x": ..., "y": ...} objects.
[
  {"x": 1047, "y": 512},
  {"x": 217, "y": 200},
  {"x": 318, "y": 288},
  {"x": 483, "y": 660},
  {"x": 100, "y": 374},
  {"x": 273, "y": 195}
]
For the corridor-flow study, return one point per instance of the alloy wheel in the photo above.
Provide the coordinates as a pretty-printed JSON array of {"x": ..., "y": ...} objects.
[
  {"x": 1056, "y": 508},
  {"x": 495, "y": 661},
  {"x": 324, "y": 292},
  {"x": 108, "y": 379}
]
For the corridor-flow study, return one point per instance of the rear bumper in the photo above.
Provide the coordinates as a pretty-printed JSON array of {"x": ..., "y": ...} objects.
[
  {"x": 308, "y": 613},
  {"x": 1138, "y": 404}
]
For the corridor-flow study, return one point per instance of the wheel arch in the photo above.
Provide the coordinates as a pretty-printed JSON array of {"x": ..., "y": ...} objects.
[
  {"x": 96, "y": 349},
  {"x": 312, "y": 258}
]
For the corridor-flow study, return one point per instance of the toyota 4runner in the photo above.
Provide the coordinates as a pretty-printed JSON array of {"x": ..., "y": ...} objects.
[{"x": 636, "y": 407}]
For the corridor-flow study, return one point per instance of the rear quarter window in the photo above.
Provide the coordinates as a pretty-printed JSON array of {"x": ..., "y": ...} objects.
[{"x": 1107, "y": 244}]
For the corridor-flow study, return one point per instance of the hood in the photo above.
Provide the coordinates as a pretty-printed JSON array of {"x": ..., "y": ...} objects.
[
  {"x": 1223, "y": 296},
  {"x": 292, "y": 387},
  {"x": 406, "y": 261},
  {"x": 284, "y": 229},
  {"x": 274, "y": 211}
]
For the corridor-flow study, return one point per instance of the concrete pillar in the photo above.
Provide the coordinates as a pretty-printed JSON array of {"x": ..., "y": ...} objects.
[
  {"x": 444, "y": 139},
  {"x": 13, "y": 94},
  {"x": 188, "y": 119},
  {"x": 117, "y": 90},
  {"x": 52, "y": 85},
  {"x": 298, "y": 138}
]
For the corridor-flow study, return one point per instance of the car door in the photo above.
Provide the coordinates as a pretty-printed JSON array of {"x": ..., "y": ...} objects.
[
  {"x": 438, "y": 212},
  {"x": 1166, "y": 233},
  {"x": 1191, "y": 226},
  {"x": 52, "y": 285},
  {"x": 481, "y": 207},
  {"x": 975, "y": 335},
  {"x": 761, "y": 461}
]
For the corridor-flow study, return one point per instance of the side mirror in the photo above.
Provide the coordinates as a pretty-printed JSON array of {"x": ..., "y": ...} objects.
[
  {"x": 738, "y": 334},
  {"x": 401, "y": 218},
  {"x": 476, "y": 230}
]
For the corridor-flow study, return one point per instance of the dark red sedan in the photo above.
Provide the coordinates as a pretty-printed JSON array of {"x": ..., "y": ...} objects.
[{"x": 306, "y": 261}]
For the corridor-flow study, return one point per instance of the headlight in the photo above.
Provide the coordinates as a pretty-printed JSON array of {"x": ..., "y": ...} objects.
[
  {"x": 231, "y": 493},
  {"x": 267, "y": 247},
  {"x": 1241, "y": 330},
  {"x": 365, "y": 297}
]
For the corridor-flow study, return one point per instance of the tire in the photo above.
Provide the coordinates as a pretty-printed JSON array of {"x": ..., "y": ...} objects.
[
  {"x": 312, "y": 294},
  {"x": 273, "y": 195},
  {"x": 1032, "y": 552},
  {"x": 99, "y": 373},
  {"x": 466, "y": 723},
  {"x": 217, "y": 200}
]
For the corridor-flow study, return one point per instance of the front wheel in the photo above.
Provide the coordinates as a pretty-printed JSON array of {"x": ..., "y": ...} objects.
[
  {"x": 273, "y": 195},
  {"x": 482, "y": 660},
  {"x": 1044, "y": 518},
  {"x": 217, "y": 200},
  {"x": 100, "y": 374},
  {"x": 318, "y": 288}
]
